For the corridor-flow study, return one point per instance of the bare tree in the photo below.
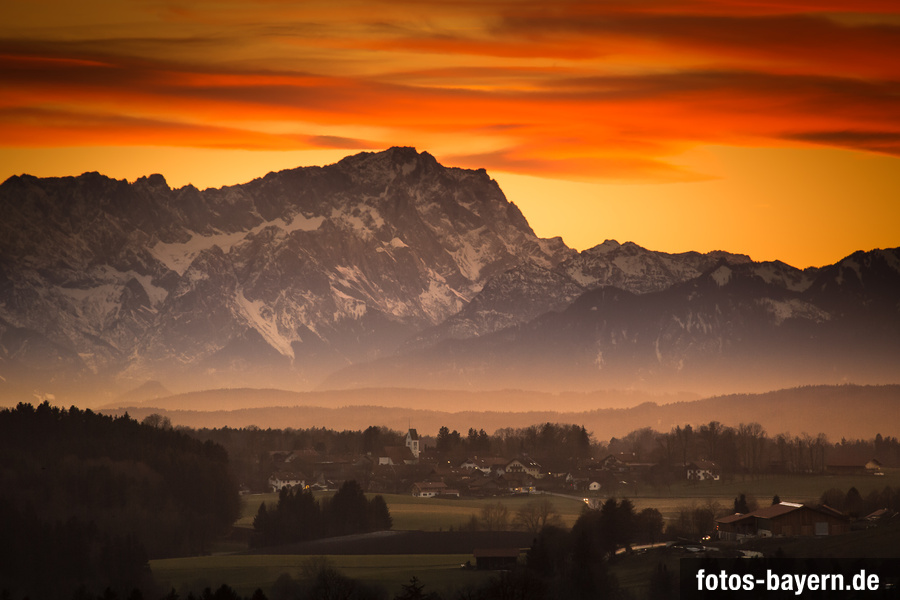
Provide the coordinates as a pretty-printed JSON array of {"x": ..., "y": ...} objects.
[
  {"x": 752, "y": 439},
  {"x": 494, "y": 517},
  {"x": 711, "y": 434},
  {"x": 536, "y": 515}
]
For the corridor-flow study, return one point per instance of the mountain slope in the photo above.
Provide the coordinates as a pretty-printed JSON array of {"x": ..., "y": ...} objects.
[
  {"x": 285, "y": 277},
  {"x": 738, "y": 326},
  {"x": 525, "y": 292}
]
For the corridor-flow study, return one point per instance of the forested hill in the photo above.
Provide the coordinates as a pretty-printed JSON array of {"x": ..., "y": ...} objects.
[{"x": 86, "y": 499}]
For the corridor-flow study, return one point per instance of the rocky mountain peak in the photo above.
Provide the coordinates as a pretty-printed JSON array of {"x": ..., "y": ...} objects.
[{"x": 320, "y": 266}]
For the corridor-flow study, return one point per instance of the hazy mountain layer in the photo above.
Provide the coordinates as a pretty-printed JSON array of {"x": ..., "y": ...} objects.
[
  {"x": 738, "y": 326},
  {"x": 798, "y": 411}
]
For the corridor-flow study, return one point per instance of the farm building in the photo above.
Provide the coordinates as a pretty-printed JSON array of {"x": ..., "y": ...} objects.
[
  {"x": 853, "y": 467},
  {"x": 524, "y": 465},
  {"x": 784, "y": 519},
  {"x": 496, "y": 559},
  {"x": 429, "y": 489}
]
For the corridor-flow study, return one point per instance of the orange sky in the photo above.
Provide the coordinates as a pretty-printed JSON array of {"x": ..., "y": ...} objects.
[{"x": 770, "y": 128}]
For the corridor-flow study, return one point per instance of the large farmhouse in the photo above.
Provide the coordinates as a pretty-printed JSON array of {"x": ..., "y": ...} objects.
[
  {"x": 784, "y": 519},
  {"x": 702, "y": 470},
  {"x": 524, "y": 465}
]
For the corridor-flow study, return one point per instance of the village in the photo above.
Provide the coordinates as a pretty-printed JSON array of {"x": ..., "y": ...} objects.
[{"x": 424, "y": 472}]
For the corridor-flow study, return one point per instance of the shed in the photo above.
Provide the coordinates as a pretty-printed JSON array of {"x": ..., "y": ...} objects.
[{"x": 496, "y": 559}]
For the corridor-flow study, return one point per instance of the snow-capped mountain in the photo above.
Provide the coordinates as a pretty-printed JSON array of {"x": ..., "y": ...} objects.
[
  {"x": 638, "y": 270},
  {"x": 390, "y": 269},
  {"x": 526, "y": 292},
  {"x": 738, "y": 325},
  {"x": 290, "y": 275}
]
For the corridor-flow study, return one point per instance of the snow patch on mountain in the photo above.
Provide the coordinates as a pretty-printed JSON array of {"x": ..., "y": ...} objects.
[
  {"x": 794, "y": 308},
  {"x": 156, "y": 293},
  {"x": 348, "y": 306},
  {"x": 179, "y": 256},
  {"x": 470, "y": 260},
  {"x": 300, "y": 222},
  {"x": 260, "y": 317},
  {"x": 782, "y": 275},
  {"x": 93, "y": 304},
  {"x": 361, "y": 218},
  {"x": 439, "y": 299},
  {"x": 721, "y": 275}
]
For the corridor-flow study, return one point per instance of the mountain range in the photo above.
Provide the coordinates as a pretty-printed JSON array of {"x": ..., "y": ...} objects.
[{"x": 390, "y": 270}]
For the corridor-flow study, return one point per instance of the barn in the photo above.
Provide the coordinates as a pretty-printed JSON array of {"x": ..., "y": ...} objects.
[
  {"x": 496, "y": 559},
  {"x": 781, "y": 520}
]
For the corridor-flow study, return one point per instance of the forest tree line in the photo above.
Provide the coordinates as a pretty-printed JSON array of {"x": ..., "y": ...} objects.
[
  {"x": 87, "y": 499},
  {"x": 299, "y": 517},
  {"x": 745, "y": 449}
]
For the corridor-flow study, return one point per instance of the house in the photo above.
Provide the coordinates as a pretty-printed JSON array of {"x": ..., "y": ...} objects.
[
  {"x": 484, "y": 487},
  {"x": 613, "y": 463},
  {"x": 429, "y": 489},
  {"x": 583, "y": 480},
  {"x": 487, "y": 465},
  {"x": 873, "y": 466},
  {"x": 781, "y": 520},
  {"x": 470, "y": 464},
  {"x": 517, "y": 483},
  {"x": 702, "y": 470},
  {"x": 412, "y": 442},
  {"x": 285, "y": 479},
  {"x": 396, "y": 455},
  {"x": 524, "y": 465},
  {"x": 496, "y": 559}
]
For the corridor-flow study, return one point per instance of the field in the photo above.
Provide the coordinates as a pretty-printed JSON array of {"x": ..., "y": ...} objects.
[
  {"x": 245, "y": 573},
  {"x": 441, "y": 572},
  {"x": 790, "y": 488},
  {"x": 433, "y": 514}
]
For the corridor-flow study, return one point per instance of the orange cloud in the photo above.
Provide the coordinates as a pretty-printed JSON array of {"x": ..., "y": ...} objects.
[
  {"x": 580, "y": 90},
  {"x": 40, "y": 128}
]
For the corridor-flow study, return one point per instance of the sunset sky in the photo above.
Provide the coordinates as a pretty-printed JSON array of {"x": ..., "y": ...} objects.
[{"x": 770, "y": 128}]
